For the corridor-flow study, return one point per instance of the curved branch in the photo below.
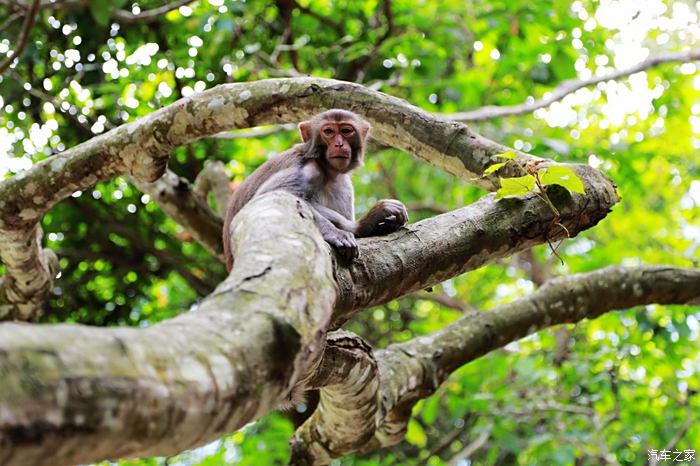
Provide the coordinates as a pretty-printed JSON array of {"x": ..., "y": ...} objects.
[
  {"x": 345, "y": 417},
  {"x": 570, "y": 86},
  {"x": 213, "y": 179},
  {"x": 413, "y": 370},
  {"x": 141, "y": 149},
  {"x": 29, "y": 21},
  {"x": 147, "y": 16}
]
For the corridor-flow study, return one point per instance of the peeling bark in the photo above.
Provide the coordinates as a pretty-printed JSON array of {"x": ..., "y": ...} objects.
[{"x": 344, "y": 420}]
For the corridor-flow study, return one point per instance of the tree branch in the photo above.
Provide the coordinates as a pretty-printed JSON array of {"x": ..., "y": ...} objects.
[
  {"x": 177, "y": 198},
  {"x": 147, "y": 16},
  {"x": 462, "y": 240},
  {"x": 413, "y": 370},
  {"x": 29, "y": 21},
  {"x": 213, "y": 179},
  {"x": 257, "y": 132},
  {"x": 183, "y": 382},
  {"x": 345, "y": 415},
  {"x": 570, "y": 86},
  {"x": 141, "y": 149}
]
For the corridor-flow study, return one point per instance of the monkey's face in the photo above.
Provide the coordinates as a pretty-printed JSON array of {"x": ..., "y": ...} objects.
[{"x": 341, "y": 140}]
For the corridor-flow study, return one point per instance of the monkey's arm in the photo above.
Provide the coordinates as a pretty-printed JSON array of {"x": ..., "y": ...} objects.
[
  {"x": 387, "y": 216},
  {"x": 336, "y": 218},
  {"x": 342, "y": 240}
]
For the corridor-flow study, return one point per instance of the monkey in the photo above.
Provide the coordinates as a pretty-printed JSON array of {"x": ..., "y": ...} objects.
[{"x": 318, "y": 171}]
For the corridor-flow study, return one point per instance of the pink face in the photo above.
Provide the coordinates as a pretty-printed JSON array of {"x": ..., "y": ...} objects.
[{"x": 337, "y": 137}]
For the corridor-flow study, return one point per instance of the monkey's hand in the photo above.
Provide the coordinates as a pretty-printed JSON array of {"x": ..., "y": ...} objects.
[
  {"x": 387, "y": 216},
  {"x": 343, "y": 242}
]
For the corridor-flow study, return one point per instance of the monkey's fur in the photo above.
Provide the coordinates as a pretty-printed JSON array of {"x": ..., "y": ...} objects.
[{"x": 318, "y": 171}]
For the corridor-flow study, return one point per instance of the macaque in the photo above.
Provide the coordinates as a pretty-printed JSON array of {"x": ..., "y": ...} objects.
[{"x": 318, "y": 171}]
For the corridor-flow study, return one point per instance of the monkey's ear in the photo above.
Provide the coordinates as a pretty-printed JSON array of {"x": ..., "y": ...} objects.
[
  {"x": 364, "y": 130},
  {"x": 305, "y": 130}
]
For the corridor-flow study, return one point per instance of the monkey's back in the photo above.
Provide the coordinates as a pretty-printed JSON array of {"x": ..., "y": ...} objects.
[{"x": 246, "y": 191}]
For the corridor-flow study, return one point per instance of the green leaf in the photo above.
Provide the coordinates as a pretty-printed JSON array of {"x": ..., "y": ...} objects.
[
  {"x": 430, "y": 409},
  {"x": 494, "y": 167},
  {"x": 415, "y": 434},
  {"x": 516, "y": 186},
  {"x": 563, "y": 176},
  {"x": 510, "y": 155}
]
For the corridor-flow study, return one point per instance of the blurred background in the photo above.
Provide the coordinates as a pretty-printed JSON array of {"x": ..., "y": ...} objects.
[{"x": 601, "y": 392}]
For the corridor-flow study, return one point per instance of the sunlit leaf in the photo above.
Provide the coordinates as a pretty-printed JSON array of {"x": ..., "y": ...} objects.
[
  {"x": 430, "y": 409},
  {"x": 510, "y": 155},
  {"x": 415, "y": 434},
  {"x": 494, "y": 167},
  {"x": 563, "y": 176},
  {"x": 516, "y": 186}
]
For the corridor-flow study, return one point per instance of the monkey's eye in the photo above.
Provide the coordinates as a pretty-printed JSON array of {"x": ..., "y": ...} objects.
[
  {"x": 328, "y": 131},
  {"x": 347, "y": 131}
]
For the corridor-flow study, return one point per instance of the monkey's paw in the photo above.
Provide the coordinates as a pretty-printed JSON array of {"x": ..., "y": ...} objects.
[
  {"x": 392, "y": 216},
  {"x": 344, "y": 243}
]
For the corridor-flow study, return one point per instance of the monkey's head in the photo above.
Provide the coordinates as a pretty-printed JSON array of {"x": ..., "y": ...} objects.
[{"x": 337, "y": 138}]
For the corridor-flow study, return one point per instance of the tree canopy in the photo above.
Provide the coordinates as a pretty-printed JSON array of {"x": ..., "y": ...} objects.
[{"x": 479, "y": 334}]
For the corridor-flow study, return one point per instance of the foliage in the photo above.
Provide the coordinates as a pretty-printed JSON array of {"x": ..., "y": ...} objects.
[{"x": 601, "y": 391}]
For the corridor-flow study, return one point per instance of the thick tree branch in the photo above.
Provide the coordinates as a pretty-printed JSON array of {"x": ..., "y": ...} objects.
[
  {"x": 141, "y": 149},
  {"x": 462, "y": 240},
  {"x": 570, "y": 86},
  {"x": 348, "y": 379},
  {"x": 413, "y": 370},
  {"x": 183, "y": 382},
  {"x": 29, "y": 21}
]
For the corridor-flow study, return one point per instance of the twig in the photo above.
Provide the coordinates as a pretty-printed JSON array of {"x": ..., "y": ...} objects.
[
  {"x": 357, "y": 67},
  {"x": 324, "y": 20},
  {"x": 472, "y": 447},
  {"x": 444, "y": 299},
  {"x": 29, "y": 21},
  {"x": 570, "y": 86},
  {"x": 147, "y": 16},
  {"x": 9, "y": 20}
]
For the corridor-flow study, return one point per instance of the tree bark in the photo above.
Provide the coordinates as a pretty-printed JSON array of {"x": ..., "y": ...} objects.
[{"x": 74, "y": 394}]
